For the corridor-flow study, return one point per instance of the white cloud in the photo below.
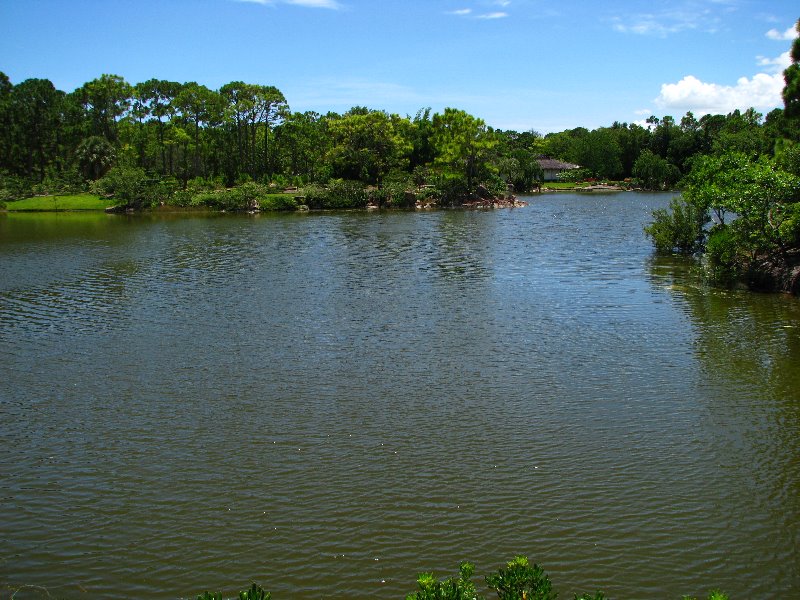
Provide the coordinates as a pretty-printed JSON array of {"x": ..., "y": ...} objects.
[
  {"x": 330, "y": 4},
  {"x": 469, "y": 12},
  {"x": 689, "y": 15},
  {"x": 787, "y": 35},
  {"x": 650, "y": 25},
  {"x": 762, "y": 91},
  {"x": 493, "y": 15},
  {"x": 776, "y": 65}
]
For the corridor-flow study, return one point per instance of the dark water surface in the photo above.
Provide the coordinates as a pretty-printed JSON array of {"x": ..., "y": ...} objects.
[{"x": 329, "y": 404}]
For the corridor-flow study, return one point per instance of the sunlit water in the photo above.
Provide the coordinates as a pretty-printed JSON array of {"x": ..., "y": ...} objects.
[{"x": 329, "y": 404}]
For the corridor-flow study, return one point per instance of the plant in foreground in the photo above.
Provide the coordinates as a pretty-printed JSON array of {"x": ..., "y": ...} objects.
[
  {"x": 255, "y": 592},
  {"x": 521, "y": 581}
]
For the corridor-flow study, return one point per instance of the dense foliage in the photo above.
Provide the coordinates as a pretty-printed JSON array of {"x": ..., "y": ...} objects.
[
  {"x": 182, "y": 143},
  {"x": 741, "y": 201}
]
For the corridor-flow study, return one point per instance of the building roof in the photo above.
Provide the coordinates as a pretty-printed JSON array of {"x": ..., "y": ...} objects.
[{"x": 555, "y": 165}]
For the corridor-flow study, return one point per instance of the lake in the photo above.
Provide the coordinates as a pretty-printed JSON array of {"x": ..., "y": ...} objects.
[{"x": 329, "y": 404}]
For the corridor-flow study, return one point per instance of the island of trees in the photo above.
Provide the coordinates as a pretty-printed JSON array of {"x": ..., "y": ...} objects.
[{"x": 240, "y": 147}]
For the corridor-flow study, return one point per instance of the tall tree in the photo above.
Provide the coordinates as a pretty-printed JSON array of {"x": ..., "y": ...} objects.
[
  {"x": 368, "y": 146},
  {"x": 462, "y": 143},
  {"x": 105, "y": 100},
  {"x": 253, "y": 110},
  {"x": 199, "y": 107},
  {"x": 303, "y": 142},
  {"x": 35, "y": 107},
  {"x": 5, "y": 121},
  {"x": 155, "y": 102},
  {"x": 791, "y": 91}
]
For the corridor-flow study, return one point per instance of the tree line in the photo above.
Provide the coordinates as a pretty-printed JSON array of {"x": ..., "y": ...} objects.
[{"x": 179, "y": 134}]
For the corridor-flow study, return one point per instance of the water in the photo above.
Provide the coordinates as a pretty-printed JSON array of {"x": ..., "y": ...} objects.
[{"x": 329, "y": 404}]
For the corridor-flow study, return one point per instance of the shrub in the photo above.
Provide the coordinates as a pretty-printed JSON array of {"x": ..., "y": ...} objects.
[
  {"x": 521, "y": 581},
  {"x": 789, "y": 227},
  {"x": 255, "y": 592},
  {"x": 721, "y": 251},
  {"x": 130, "y": 186},
  {"x": 496, "y": 185},
  {"x": 452, "y": 190},
  {"x": 13, "y": 187},
  {"x": 679, "y": 229},
  {"x": 278, "y": 202},
  {"x": 574, "y": 175},
  {"x": 347, "y": 194},
  {"x": 396, "y": 194},
  {"x": 453, "y": 588},
  {"x": 340, "y": 194},
  {"x": 518, "y": 581}
]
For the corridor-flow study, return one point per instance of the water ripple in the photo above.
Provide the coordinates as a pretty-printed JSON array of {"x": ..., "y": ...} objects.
[{"x": 196, "y": 403}]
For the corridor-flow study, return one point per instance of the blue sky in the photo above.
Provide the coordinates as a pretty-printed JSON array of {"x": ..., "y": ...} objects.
[{"x": 517, "y": 64}]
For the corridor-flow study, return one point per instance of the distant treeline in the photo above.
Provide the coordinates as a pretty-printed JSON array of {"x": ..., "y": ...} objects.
[{"x": 178, "y": 133}]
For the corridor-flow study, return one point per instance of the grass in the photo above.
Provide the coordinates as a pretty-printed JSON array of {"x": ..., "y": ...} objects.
[
  {"x": 563, "y": 185},
  {"x": 52, "y": 203}
]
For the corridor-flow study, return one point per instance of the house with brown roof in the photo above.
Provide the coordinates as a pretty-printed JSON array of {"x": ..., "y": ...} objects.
[{"x": 552, "y": 167}]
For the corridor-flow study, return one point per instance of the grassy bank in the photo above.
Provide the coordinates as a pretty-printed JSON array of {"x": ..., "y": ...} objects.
[{"x": 50, "y": 203}]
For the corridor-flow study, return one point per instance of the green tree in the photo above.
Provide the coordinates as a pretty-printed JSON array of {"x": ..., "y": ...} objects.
[
  {"x": 761, "y": 195},
  {"x": 791, "y": 91},
  {"x": 35, "y": 117},
  {"x": 154, "y": 102},
  {"x": 600, "y": 152},
  {"x": 453, "y": 588},
  {"x": 462, "y": 144},
  {"x": 654, "y": 172},
  {"x": 252, "y": 112},
  {"x": 632, "y": 139},
  {"x": 199, "y": 107},
  {"x": 302, "y": 140},
  {"x": 742, "y": 132},
  {"x": 95, "y": 156},
  {"x": 680, "y": 229},
  {"x": 521, "y": 581},
  {"x": 423, "y": 151},
  {"x": 5, "y": 121},
  {"x": 105, "y": 100},
  {"x": 366, "y": 146}
]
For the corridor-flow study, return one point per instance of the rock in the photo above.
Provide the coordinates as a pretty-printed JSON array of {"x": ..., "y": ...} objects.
[{"x": 483, "y": 193}]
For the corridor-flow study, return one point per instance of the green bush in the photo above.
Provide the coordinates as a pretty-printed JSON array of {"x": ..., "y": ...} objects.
[
  {"x": 339, "y": 194},
  {"x": 13, "y": 187},
  {"x": 713, "y": 595},
  {"x": 394, "y": 194},
  {"x": 453, "y": 588},
  {"x": 681, "y": 229},
  {"x": 452, "y": 190},
  {"x": 130, "y": 186},
  {"x": 789, "y": 226},
  {"x": 347, "y": 194},
  {"x": 496, "y": 186},
  {"x": 721, "y": 252},
  {"x": 255, "y": 592},
  {"x": 521, "y": 581},
  {"x": 574, "y": 175},
  {"x": 277, "y": 202}
]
